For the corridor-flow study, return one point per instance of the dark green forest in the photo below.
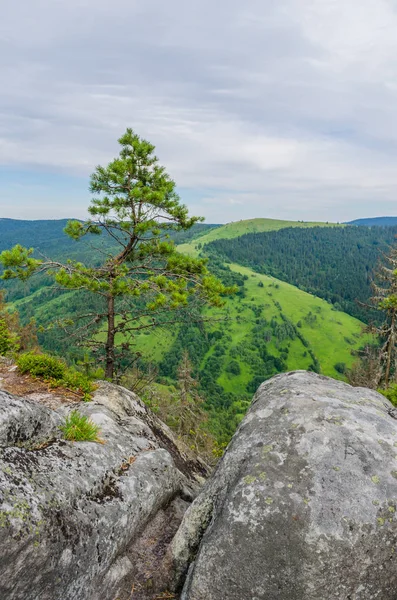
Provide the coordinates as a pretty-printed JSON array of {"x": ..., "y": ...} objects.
[
  {"x": 48, "y": 237},
  {"x": 333, "y": 263}
]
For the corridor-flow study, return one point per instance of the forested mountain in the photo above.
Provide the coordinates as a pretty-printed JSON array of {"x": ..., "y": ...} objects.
[
  {"x": 333, "y": 263},
  {"x": 375, "y": 222},
  {"x": 268, "y": 327},
  {"x": 239, "y": 228},
  {"x": 49, "y": 238},
  {"x": 44, "y": 236}
]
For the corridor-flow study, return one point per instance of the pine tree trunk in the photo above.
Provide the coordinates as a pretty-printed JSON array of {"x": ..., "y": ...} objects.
[{"x": 110, "y": 340}]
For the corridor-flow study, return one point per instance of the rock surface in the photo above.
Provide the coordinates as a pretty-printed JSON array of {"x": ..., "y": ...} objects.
[
  {"x": 301, "y": 507},
  {"x": 303, "y": 504},
  {"x": 89, "y": 521}
]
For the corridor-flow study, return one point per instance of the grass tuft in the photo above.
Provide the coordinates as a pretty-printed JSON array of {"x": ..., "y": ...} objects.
[{"x": 79, "y": 428}]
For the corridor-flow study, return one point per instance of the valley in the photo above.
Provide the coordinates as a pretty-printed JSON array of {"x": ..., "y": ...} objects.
[{"x": 269, "y": 326}]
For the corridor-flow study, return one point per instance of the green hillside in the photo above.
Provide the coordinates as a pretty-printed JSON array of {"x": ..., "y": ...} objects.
[
  {"x": 268, "y": 327},
  {"x": 332, "y": 336},
  {"x": 239, "y": 228},
  {"x": 334, "y": 263}
]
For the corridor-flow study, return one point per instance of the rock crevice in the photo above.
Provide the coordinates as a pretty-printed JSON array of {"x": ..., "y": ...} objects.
[{"x": 70, "y": 513}]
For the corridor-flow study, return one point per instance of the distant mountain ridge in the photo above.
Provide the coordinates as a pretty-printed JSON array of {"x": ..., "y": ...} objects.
[
  {"x": 236, "y": 229},
  {"x": 44, "y": 235},
  {"x": 48, "y": 237},
  {"x": 375, "y": 222}
]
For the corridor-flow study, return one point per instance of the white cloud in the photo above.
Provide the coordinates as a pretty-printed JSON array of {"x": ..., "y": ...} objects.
[{"x": 274, "y": 109}]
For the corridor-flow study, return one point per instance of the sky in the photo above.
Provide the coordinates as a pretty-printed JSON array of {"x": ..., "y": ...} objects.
[{"x": 263, "y": 108}]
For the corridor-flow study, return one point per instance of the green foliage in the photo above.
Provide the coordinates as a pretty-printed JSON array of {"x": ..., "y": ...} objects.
[
  {"x": 5, "y": 338},
  {"x": 334, "y": 263},
  {"x": 7, "y": 341},
  {"x": 18, "y": 263},
  {"x": 78, "y": 382},
  {"x": 182, "y": 408},
  {"x": 240, "y": 228},
  {"x": 384, "y": 299},
  {"x": 41, "y": 365},
  {"x": 257, "y": 335},
  {"x": 270, "y": 326},
  {"x": 390, "y": 393},
  {"x": 233, "y": 368},
  {"x": 262, "y": 338},
  {"x": 14, "y": 337},
  {"x": 79, "y": 428},
  {"x": 340, "y": 367},
  {"x": 56, "y": 372}
]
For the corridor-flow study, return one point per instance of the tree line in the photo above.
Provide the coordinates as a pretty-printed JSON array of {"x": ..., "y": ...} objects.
[{"x": 336, "y": 263}]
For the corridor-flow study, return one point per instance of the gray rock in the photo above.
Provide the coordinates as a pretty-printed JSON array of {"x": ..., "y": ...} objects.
[
  {"x": 303, "y": 504},
  {"x": 22, "y": 422},
  {"x": 73, "y": 514}
]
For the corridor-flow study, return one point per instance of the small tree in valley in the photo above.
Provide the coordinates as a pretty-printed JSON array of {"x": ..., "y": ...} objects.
[
  {"x": 384, "y": 299},
  {"x": 14, "y": 336},
  {"x": 141, "y": 280},
  {"x": 183, "y": 410}
]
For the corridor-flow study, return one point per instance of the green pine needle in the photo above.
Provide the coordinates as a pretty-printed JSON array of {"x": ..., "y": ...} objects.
[{"x": 79, "y": 428}]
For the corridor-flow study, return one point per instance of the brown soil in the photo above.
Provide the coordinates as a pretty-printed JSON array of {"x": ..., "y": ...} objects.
[{"x": 35, "y": 389}]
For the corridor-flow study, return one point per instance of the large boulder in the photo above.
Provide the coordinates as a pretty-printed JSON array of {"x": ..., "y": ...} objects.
[
  {"x": 89, "y": 521},
  {"x": 303, "y": 504}
]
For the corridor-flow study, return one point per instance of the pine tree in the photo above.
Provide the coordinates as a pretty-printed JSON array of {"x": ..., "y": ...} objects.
[
  {"x": 192, "y": 420},
  {"x": 6, "y": 341},
  {"x": 144, "y": 280},
  {"x": 186, "y": 382},
  {"x": 384, "y": 299}
]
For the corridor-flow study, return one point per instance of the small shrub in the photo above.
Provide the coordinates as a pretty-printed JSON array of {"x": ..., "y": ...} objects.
[
  {"x": 79, "y": 428},
  {"x": 41, "y": 365},
  {"x": 78, "y": 382},
  {"x": 56, "y": 372},
  {"x": 233, "y": 368},
  {"x": 6, "y": 341},
  {"x": 314, "y": 367},
  {"x": 340, "y": 367},
  {"x": 390, "y": 393}
]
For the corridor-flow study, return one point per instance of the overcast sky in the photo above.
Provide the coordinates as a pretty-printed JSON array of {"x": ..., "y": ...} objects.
[{"x": 262, "y": 108}]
